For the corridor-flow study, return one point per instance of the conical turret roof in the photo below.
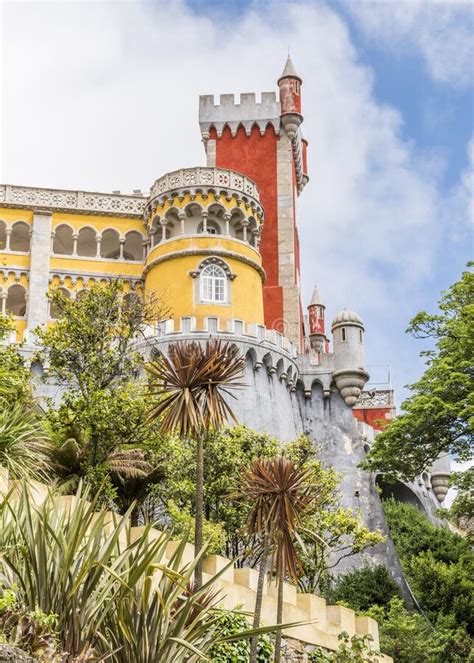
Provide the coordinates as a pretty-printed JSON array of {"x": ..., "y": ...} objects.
[
  {"x": 289, "y": 71},
  {"x": 315, "y": 298}
]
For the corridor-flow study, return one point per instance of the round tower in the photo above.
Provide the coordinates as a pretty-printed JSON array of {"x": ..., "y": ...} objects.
[
  {"x": 290, "y": 99},
  {"x": 316, "y": 313},
  {"x": 203, "y": 256},
  {"x": 349, "y": 374}
]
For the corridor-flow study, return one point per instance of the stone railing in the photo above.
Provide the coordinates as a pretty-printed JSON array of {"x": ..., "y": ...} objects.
[
  {"x": 375, "y": 398},
  {"x": 81, "y": 202},
  {"x": 238, "y": 589},
  {"x": 217, "y": 178},
  {"x": 266, "y": 348}
]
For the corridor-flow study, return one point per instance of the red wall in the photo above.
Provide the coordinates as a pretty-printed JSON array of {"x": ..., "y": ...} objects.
[
  {"x": 256, "y": 157},
  {"x": 373, "y": 415}
]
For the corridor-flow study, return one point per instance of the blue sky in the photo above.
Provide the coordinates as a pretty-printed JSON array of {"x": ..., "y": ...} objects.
[{"x": 107, "y": 99}]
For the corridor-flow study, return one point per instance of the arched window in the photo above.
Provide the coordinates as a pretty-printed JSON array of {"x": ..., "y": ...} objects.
[
  {"x": 16, "y": 300},
  {"x": 86, "y": 242},
  {"x": 213, "y": 284},
  {"x": 3, "y": 235},
  {"x": 20, "y": 238},
  {"x": 110, "y": 247},
  {"x": 213, "y": 227},
  {"x": 63, "y": 241},
  {"x": 133, "y": 246}
]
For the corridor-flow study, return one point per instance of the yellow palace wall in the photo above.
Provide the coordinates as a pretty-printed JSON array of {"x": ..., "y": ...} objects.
[{"x": 171, "y": 280}]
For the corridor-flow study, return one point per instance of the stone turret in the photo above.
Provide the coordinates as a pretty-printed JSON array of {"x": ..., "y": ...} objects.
[
  {"x": 440, "y": 473},
  {"x": 316, "y": 312},
  {"x": 349, "y": 374},
  {"x": 290, "y": 99}
]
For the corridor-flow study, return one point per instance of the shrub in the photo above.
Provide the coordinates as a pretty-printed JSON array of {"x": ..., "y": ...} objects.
[
  {"x": 363, "y": 588},
  {"x": 231, "y": 623},
  {"x": 413, "y": 533},
  {"x": 351, "y": 650}
]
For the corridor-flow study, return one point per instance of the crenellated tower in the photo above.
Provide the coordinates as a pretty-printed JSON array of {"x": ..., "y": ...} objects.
[{"x": 263, "y": 141}]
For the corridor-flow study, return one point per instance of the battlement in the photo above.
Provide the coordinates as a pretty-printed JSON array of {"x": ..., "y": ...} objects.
[
  {"x": 238, "y": 587},
  {"x": 247, "y": 113}
]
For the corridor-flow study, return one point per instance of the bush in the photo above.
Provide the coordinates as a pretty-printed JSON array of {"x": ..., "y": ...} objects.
[
  {"x": 232, "y": 623},
  {"x": 413, "y": 533},
  {"x": 364, "y": 588},
  {"x": 408, "y": 637},
  {"x": 351, "y": 650}
]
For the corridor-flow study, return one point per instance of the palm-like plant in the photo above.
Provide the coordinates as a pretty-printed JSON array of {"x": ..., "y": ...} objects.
[
  {"x": 190, "y": 385},
  {"x": 24, "y": 447},
  {"x": 281, "y": 497},
  {"x": 131, "y": 470}
]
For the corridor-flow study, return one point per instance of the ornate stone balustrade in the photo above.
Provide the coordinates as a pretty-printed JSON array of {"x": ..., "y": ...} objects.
[
  {"x": 221, "y": 181},
  {"x": 375, "y": 399},
  {"x": 238, "y": 589},
  {"x": 81, "y": 202}
]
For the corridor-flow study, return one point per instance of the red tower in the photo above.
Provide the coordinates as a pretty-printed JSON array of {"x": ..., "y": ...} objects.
[
  {"x": 263, "y": 141},
  {"x": 316, "y": 323}
]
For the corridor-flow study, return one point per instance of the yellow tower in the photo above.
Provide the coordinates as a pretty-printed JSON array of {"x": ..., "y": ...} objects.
[{"x": 203, "y": 259}]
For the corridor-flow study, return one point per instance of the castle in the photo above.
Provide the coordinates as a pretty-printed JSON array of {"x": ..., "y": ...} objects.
[{"x": 219, "y": 244}]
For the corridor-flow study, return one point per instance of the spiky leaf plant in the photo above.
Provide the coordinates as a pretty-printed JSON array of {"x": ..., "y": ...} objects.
[
  {"x": 190, "y": 385},
  {"x": 117, "y": 595},
  {"x": 24, "y": 447}
]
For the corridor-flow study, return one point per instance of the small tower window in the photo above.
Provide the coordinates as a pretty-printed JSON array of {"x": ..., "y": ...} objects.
[
  {"x": 296, "y": 87},
  {"x": 360, "y": 335},
  {"x": 213, "y": 284},
  {"x": 343, "y": 334}
]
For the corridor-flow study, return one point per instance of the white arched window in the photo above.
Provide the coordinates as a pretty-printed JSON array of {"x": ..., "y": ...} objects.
[{"x": 213, "y": 284}]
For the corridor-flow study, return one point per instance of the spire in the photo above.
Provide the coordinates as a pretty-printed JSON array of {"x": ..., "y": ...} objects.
[
  {"x": 289, "y": 71},
  {"x": 315, "y": 299}
]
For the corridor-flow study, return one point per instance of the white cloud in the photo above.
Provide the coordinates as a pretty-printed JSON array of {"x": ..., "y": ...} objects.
[
  {"x": 104, "y": 96},
  {"x": 440, "y": 30}
]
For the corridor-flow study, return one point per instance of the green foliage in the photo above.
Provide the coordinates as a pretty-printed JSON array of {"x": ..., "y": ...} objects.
[
  {"x": 183, "y": 526},
  {"x": 413, "y": 533},
  {"x": 444, "y": 590},
  {"x": 24, "y": 448},
  {"x": 439, "y": 415},
  {"x": 408, "y": 638},
  {"x": 439, "y": 565},
  {"x": 232, "y": 623},
  {"x": 363, "y": 588},
  {"x": 355, "y": 649},
  {"x": 14, "y": 376},
  {"x": 462, "y": 508},
  {"x": 33, "y": 631},
  {"x": 111, "y": 591},
  {"x": 90, "y": 347},
  {"x": 227, "y": 452}
]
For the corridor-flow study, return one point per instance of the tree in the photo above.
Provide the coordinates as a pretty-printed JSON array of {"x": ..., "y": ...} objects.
[
  {"x": 90, "y": 351},
  {"x": 462, "y": 508},
  {"x": 190, "y": 386},
  {"x": 228, "y": 451},
  {"x": 14, "y": 375},
  {"x": 281, "y": 496},
  {"x": 438, "y": 417}
]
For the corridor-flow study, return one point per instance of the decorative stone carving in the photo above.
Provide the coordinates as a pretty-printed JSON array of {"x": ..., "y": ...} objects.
[
  {"x": 81, "y": 202},
  {"x": 192, "y": 179}
]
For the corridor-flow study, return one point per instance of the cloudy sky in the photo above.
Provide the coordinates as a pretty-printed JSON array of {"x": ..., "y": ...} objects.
[{"x": 104, "y": 96}]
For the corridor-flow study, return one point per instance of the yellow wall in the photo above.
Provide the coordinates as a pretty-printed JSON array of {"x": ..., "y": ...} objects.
[
  {"x": 89, "y": 265},
  {"x": 172, "y": 281},
  {"x": 99, "y": 223},
  {"x": 12, "y": 215}
]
